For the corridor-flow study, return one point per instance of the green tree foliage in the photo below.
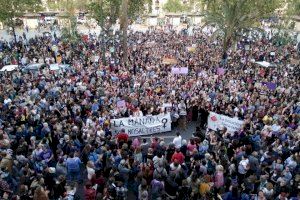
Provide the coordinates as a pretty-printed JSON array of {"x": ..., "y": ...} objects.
[
  {"x": 233, "y": 17},
  {"x": 130, "y": 9},
  {"x": 17, "y": 8},
  {"x": 137, "y": 8},
  {"x": 70, "y": 9},
  {"x": 70, "y": 33},
  {"x": 293, "y": 7},
  {"x": 11, "y": 10},
  {"x": 108, "y": 11},
  {"x": 105, "y": 11},
  {"x": 64, "y": 5},
  {"x": 175, "y": 6}
]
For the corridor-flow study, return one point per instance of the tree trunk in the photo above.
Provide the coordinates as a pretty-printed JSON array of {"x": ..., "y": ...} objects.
[
  {"x": 14, "y": 31},
  {"x": 234, "y": 46},
  {"x": 15, "y": 39},
  {"x": 124, "y": 27},
  {"x": 102, "y": 34},
  {"x": 103, "y": 46},
  {"x": 226, "y": 44}
]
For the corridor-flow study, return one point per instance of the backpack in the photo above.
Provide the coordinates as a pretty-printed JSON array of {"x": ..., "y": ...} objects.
[
  {"x": 210, "y": 167},
  {"x": 184, "y": 193},
  {"x": 234, "y": 182},
  {"x": 156, "y": 190},
  {"x": 162, "y": 173}
]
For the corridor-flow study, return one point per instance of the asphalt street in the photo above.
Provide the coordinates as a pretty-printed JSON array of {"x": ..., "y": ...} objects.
[{"x": 169, "y": 136}]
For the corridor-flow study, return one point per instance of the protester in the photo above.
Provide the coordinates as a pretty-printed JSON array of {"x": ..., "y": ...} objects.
[{"x": 177, "y": 140}]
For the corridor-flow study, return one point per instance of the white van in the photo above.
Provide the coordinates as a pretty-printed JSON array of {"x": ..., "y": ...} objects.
[{"x": 9, "y": 68}]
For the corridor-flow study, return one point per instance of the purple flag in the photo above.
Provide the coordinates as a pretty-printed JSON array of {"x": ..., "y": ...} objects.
[
  {"x": 179, "y": 70},
  {"x": 270, "y": 85}
]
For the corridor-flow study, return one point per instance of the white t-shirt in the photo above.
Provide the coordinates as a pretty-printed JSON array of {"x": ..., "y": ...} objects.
[
  {"x": 90, "y": 172},
  {"x": 182, "y": 109},
  {"x": 267, "y": 192},
  {"x": 24, "y": 61},
  {"x": 243, "y": 166},
  {"x": 6, "y": 101},
  {"x": 177, "y": 141}
]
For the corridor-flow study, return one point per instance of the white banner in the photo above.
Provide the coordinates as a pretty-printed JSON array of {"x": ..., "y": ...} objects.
[
  {"x": 146, "y": 125},
  {"x": 216, "y": 121}
]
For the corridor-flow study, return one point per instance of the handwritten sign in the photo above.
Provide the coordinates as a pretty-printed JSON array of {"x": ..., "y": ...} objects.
[
  {"x": 215, "y": 121},
  {"x": 121, "y": 104},
  {"x": 169, "y": 61},
  {"x": 167, "y": 105},
  {"x": 180, "y": 70},
  {"x": 202, "y": 74},
  {"x": 191, "y": 49}
]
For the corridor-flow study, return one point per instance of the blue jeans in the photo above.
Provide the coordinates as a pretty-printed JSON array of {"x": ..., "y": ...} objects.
[
  {"x": 73, "y": 175},
  {"x": 144, "y": 158}
]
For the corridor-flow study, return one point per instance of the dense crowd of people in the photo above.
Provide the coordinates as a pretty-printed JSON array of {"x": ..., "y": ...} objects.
[{"x": 55, "y": 135}]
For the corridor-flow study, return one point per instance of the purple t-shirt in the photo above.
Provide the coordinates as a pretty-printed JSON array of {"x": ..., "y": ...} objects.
[{"x": 46, "y": 154}]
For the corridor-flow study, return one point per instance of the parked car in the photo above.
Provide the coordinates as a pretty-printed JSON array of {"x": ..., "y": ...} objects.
[
  {"x": 60, "y": 67},
  {"x": 9, "y": 68},
  {"x": 33, "y": 67},
  {"x": 49, "y": 20}
]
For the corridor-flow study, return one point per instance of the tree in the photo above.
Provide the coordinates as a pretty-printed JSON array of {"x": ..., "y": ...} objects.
[
  {"x": 70, "y": 8},
  {"x": 234, "y": 17},
  {"x": 195, "y": 5},
  {"x": 175, "y": 6},
  {"x": 130, "y": 9},
  {"x": 138, "y": 7},
  {"x": 123, "y": 28},
  {"x": 293, "y": 7},
  {"x": 107, "y": 12},
  {"x": 11, "y": 10},
  {"x": 64, "y": 5}
]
